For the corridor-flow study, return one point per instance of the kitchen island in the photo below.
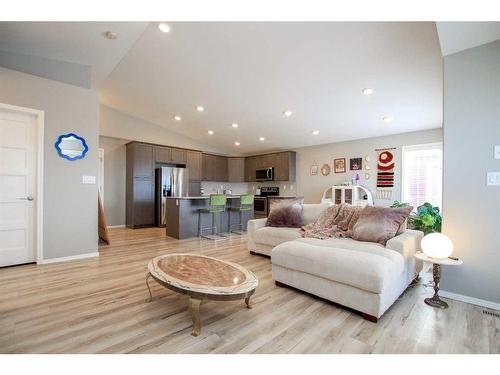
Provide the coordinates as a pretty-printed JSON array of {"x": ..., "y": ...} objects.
[{"x": 182, "y": 215}]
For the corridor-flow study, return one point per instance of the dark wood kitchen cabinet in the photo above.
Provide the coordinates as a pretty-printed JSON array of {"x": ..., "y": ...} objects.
[
  {"x": 208, "y": 167},
  {"x": 140, "y": 181},
  {"x": 193, "y": 164},
  {"x": 284, "y": 165},
  {"x": 168, "y": 155},
  {"x": 214, "y": 168},
  {"x": 250, "y": 167},
  {"x": 221, "y": 169},
  {"x": 236, "y": 169}
]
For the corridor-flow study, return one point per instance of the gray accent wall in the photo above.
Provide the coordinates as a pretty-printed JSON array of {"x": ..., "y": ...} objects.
[
  {"x": 471, "y": 209},
  {"x": 62, "y": 71},
  {"x": 312, "y": 187},
  {"x": 70, "y": 207}
]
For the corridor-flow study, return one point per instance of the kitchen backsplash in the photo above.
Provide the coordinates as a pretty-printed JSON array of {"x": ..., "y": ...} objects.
[{"x": 286, "y": 188}]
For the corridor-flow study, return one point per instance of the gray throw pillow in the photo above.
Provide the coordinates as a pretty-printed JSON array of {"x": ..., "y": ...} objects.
[{"x": 379, "y": 224}]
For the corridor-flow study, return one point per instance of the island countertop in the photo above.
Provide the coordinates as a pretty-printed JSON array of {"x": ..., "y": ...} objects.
[{"x": 233, "y": 196}]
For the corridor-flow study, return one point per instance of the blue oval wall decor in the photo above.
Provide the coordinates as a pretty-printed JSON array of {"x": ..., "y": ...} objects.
[{"x": 71, "y": 146}]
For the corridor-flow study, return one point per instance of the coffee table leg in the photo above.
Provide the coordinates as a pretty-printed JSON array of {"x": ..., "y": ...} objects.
[
  {"x": 247, "y": 301},
  {"x": 149, "y": 289},
  {"x": 194, "y": 310}
]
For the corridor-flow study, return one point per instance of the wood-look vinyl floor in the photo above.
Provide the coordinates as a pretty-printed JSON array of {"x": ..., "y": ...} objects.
[{"x": 98, "y": 305}]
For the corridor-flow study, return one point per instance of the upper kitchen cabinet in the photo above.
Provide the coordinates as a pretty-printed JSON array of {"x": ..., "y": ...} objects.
[
  {"x": 163, "y": 154},
  {"x": 214, "y": 168},
  {"x": 250, "y": 167},
  {"x": 169, "y": 155},
  {"x": 285, "y": 166},
  {"x": 208, "y": 167},
  {"x": 178, "y": 156},
  {"x": 221, "y": 173},
  {"x": 193, "y": 164},
  {"x": 140, "y": 160},
  {"x": 236, "y": 169},
  {"x": 283, "y": 163}
]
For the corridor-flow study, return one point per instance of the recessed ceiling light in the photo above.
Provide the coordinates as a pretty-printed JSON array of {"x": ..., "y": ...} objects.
[
  {"x": 234, "y": 125},
  {"x": 200, "y": 108},
  {"x": 236, "y": 143},
  {"x": 368, "y": 91},
  {"x": 262, "y": 139},
  {"x": 211, "y": 132},
  {"x": 177, "y": 118},
  {"x": 287, "y": 113},
  {"x": 111, "y": 35},
  {"x": 164, "y": 27},
  {"x": 387, "y": 118},
  {"x": 315, "y": 132}
]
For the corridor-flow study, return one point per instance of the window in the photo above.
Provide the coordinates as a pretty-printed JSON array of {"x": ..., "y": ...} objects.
[{"x": 423, "y": 174}]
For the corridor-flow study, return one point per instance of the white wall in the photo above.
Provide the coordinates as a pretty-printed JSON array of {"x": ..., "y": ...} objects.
[
  {"x": 471, "y": 209},
  {"x": 114, "y": 179},
  {"x": 312, "y": 187},
  {"x": 70, "y": 208}
]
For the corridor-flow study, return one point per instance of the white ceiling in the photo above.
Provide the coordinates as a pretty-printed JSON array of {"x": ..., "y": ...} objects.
[
  {"x": 458, "y": 36},
  {"x": 76, "y": 42},
  {"x": 250, "y": 73}
]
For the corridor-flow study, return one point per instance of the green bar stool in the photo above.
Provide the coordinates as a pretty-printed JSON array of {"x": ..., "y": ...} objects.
[
  {"x": 246, "y": 204},
  {"x": 217, "y": 206}
]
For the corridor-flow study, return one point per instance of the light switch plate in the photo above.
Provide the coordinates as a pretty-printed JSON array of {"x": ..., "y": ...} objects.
[
  {"x": 493, "y": 179},
  {"x": 88, "y": 180},
  {"x": 497, "y": 152}
]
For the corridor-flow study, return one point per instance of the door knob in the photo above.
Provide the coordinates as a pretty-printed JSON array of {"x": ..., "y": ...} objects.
[{"x": 28, "y": 198}]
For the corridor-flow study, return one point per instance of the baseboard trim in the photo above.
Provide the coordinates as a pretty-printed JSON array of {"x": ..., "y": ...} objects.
[
  {"x": 70, "y": 258},
  {"x": 471, "y": 300},
  {"x": 115, "y": 226}
]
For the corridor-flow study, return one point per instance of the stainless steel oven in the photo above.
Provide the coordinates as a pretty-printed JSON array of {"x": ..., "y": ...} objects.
[
  {"x": 264, "y": 174},
  {"x": 261, "y": 203},
  {"x": 260, "y": 206}
]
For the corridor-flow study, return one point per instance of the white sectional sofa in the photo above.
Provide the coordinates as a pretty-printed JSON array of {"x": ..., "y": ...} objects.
[{"x": 364, "y": 276}]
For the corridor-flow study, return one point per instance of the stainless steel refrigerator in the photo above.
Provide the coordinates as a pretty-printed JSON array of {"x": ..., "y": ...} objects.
[{"x": 170, "y": 182}]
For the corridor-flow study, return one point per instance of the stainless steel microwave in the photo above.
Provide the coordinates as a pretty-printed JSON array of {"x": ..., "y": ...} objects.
[{"x": 264, "y": 174}]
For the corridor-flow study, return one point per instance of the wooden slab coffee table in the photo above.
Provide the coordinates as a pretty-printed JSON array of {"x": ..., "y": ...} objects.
[{"x": 202, "y": 278}]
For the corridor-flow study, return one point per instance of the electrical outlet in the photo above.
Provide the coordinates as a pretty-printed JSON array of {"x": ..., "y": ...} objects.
[{"x": 493, "y": 178}]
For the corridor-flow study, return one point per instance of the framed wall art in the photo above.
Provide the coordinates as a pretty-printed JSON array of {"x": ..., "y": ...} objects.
[
  {"x": 314, "y": 170},
  {"x": 356, "y": 164},
  {"x": 339, "y": 165}
]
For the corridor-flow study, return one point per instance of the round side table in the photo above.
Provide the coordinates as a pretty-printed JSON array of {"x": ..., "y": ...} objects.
[{"x": 435, "y": 301}]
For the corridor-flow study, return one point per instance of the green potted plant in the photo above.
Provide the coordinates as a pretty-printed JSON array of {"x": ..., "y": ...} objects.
[{"x": 427, "y": 218}]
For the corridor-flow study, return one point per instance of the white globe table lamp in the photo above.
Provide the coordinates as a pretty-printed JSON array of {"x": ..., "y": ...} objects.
[
  {"x": 437, "y": 245},
  {"x": 437, "y": 248}
]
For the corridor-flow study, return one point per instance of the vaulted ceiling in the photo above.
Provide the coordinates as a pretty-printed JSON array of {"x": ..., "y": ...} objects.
[{"x": 250, "y": 73}]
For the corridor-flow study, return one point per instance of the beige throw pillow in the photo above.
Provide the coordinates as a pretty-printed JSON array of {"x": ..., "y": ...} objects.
[{"x": 379, "y": 224}]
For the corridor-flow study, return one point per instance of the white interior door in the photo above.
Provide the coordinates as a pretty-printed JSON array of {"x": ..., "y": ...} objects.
[{"x": 17, "y": 187}]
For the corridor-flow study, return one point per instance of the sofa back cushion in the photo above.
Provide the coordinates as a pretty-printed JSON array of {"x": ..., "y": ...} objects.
[
  {"x": 379, "y": 224},
  {"x": 311, "y": 212}
]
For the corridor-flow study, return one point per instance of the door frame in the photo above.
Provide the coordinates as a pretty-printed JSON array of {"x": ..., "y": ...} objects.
[{"x": 39, "y": 144}]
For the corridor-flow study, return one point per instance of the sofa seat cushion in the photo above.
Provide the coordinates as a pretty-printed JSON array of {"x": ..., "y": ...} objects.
[
  {"x": 373, "y": 269},
  {"x": 272, "y": 236}
]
